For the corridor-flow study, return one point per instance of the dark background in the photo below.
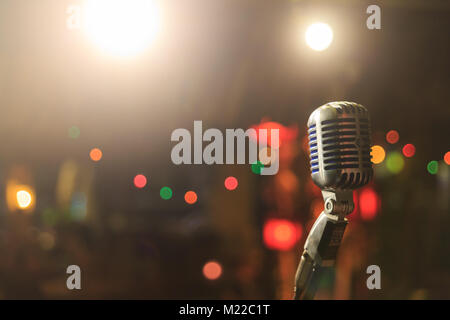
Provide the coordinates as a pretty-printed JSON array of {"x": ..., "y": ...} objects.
[{"x": 230, "y": 64}]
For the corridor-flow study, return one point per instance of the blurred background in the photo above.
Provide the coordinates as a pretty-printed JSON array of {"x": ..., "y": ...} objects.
[{"x": 90, "y": 92}]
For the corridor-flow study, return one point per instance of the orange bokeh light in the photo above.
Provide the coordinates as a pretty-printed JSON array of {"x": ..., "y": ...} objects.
[
  {"x": 447, "y": 158},
  {"x": 96, "y": 154},
  {"x": 190, "y": 197},
  {"x": 212, "y": 270}
]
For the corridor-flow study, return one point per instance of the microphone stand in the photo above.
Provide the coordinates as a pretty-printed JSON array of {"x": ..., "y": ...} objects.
[{"x": 323, "y": 241}]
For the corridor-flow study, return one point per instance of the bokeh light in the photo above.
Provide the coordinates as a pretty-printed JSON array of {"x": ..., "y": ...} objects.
[
  {"x": 257, "y": 167},
  {"x": 409, "y": 150},
  {"x": 433, "y": 167},
  {"x": 319, "y": 36},
  {"x": 392, "y": 136},
  {"x": 122, "y": 28},
  {"x": 378, "y": 154},
  {"x": 368, "y": 204},
  {"x": 24, "y": 199},
  {"x": 447, "y": 158},
  {"x": 140, "y": 181},
  {"x": 231, "y": 183},
  {"x": 281, "y": 234},
  {"x": 74, "y": 132},
  {"x": 212, "y": 270},
  {"x": 394, "y": 162},
  {"x": 96, "y": 154},
  {"x": 165, "y": 193},
  {"x": 190, "y": 197}
]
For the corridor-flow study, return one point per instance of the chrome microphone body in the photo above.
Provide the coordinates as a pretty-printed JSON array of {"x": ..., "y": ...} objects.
[{"x": 339, "y": 141}]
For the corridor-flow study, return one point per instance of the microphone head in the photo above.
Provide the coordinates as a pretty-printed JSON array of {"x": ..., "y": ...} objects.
[{"x": 339, "y": 144}]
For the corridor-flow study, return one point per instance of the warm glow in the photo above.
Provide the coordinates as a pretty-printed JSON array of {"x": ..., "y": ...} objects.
[
  {"x": 122, "y": 27},
  {"x": 378, "y": 154},
  {"x": 368, "y": 203},
  {"x": 96, "y": 154},
  {"x": 447, "y": 158},
  {"x": 281, "y": 234},
  {"x": 212, "y": 270},
  {"x": 319, "y": 36},
  {"x": 190, "y": 197},
  {"x": 24, "y": 199}
]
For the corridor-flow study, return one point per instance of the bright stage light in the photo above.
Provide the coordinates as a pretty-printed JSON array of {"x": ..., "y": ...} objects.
[
  {"x": 319, "y": 36},
  {"x": 24, "y": 199},
  {"x": 122, "y": 27}
]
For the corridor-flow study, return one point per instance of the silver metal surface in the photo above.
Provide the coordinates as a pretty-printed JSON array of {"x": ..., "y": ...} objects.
[{"x": 339, "y": 141}]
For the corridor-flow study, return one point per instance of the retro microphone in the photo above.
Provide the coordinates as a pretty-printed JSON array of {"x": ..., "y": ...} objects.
[{"x": 339, "y": 144}]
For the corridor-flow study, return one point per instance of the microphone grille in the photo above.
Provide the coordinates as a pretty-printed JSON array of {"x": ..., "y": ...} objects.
[{"x": 339, "y": 141}]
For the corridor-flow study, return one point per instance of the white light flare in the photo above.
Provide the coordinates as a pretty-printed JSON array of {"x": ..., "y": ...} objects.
[
  {"x": 122, "y": 28},
  {"x": 319, "y": 36}
]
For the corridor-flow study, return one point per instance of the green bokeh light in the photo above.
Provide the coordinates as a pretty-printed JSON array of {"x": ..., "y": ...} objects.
[
  {"x": 74, "y": 132},
  {"x": 433, "y": 167},
  {"x": 165, "y": 193},
  {"x": 394, "y": 162},
  {"x": 257, "y": 167}
]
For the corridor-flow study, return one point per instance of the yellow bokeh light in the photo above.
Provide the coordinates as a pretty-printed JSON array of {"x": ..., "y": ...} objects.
[
  {"x": 122, "y": 28},
  {"x": 378, "y": 154},
  {"x": 24, "y": 199},
  {"x": 319, "y": 36}
]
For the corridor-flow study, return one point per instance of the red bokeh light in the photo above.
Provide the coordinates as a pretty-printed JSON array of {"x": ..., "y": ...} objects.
[
  {"x": 369, "y": 203},
  {"x": 281, "y": 234},
  {"x": 231, "y": 183},
  {"x": 140, "y": 181},
  {"x": 392, "y": 136},
  {"x": 285, "y": 134},
  {"x": 409, "y": 150}
]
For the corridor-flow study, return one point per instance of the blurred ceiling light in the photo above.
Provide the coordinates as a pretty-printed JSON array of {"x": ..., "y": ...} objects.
[
  {"x": 319, "y": 36},
  {"x": 122, "y": 28}
]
